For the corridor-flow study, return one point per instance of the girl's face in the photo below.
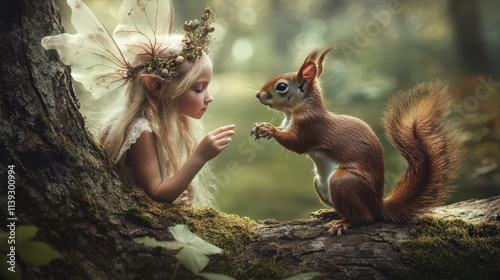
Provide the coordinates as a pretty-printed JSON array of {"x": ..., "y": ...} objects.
[{"x": 194, "y": 101}]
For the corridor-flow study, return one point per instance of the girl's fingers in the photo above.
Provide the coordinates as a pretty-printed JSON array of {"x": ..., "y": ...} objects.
[
  {"x": 223, "y": 128},
  {"x": 222, "y": 141},
  {"x": 222, "y": 146},
  {"x": 219, "y": 138},
  {"x": 227, "y": 134},
  {"x": 224, "y": 134}
]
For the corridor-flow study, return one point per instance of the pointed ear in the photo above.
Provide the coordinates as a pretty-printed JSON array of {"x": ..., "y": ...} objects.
[
  {"x": 308, "y": 71},
  {"x": 153, "y": 82},
  {"x": 322, "y": 57}
]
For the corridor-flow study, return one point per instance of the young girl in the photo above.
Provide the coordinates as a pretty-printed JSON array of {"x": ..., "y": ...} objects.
[
  {"x": 151, "y": 135},
  {"x": 151, "y": 138}
]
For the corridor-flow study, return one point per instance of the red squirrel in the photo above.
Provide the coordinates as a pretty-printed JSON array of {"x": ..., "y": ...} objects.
[{"x": 348, "y": 155}]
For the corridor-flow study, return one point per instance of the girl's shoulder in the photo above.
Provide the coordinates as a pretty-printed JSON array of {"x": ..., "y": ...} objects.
[{"x": 136, "y": 128}]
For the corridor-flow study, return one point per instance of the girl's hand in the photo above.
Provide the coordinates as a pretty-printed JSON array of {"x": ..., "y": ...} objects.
[{"x": 214, "y": 142}]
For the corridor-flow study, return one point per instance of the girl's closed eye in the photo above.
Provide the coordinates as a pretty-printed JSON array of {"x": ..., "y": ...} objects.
[{"x": 199, "y": 88}]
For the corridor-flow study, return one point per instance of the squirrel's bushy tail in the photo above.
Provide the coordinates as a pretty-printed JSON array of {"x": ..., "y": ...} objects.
[{"x": 415, "y": 123}]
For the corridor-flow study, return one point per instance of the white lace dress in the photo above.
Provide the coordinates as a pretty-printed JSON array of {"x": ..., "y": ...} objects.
[{"x": 135, "y": 130}]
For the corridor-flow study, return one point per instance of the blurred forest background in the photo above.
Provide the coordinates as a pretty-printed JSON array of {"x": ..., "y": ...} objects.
[{"x": 384, "y": 46}]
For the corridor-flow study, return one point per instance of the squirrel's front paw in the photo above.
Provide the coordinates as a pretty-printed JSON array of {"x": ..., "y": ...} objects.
[{"x": 263, "y": 130}]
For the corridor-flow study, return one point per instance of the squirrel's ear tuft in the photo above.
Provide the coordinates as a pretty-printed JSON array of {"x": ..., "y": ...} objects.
[
  {"x": 153, "y": 83},
  {"x": 322, "y": 57}
]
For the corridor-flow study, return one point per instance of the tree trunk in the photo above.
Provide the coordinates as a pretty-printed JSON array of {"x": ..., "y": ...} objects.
[
  {"x": 466, "y": 20},
  {"x": 65, "y": 186}
]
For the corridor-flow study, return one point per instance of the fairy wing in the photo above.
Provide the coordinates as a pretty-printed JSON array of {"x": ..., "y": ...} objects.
[
  {"x": 141, "y": 24},
  {"x": 96, "y": 60}
]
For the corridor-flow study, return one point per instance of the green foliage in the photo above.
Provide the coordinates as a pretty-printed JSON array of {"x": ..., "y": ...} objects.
[
  {"x": 305, "y": 276},
  {"x": 194, "y": 251},
  {"x": 450, "y": 249},
  {"x": 31, "y": 252},
  {"x": 214, "y": 276},
  {"x": 229, "y": 232}
]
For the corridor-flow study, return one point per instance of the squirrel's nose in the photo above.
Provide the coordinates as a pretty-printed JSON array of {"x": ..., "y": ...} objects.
[{"x": 258, "y": 94}]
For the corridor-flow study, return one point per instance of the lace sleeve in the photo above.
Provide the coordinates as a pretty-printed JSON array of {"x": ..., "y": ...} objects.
[{"x": 135, "y": 131}]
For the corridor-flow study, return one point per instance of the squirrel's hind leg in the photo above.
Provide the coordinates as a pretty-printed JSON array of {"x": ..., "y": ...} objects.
[
  {"x": 325, "y": 197},
  {"x": 353, "y": 198}
]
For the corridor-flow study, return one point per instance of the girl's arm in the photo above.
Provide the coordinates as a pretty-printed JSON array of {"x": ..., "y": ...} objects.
[{"x": 143, "y": 160}]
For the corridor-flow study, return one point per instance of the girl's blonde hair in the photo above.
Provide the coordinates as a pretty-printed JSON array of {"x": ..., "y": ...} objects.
[{"x": 177, "y": 134}]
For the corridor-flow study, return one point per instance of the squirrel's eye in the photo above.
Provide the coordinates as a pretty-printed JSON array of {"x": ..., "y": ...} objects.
[{"x": 281, "y": 88}]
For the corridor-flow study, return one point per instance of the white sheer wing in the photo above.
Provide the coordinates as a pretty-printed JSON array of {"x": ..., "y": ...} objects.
[
  {"x": 141, "y": 23},
  {"x": 95, "y": 59}
]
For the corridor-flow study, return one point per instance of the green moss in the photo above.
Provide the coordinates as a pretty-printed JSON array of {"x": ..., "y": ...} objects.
[
  {"x": 450, "y": 249},
  {"x": 42, "y": 121},
  {"x": 229, "y": 232},
  {"x": 264, "y": 268},
  {"x": 139, "y": 216},
  {"x": 261, "y": 269},
  {"x": 82, "y": 194}
]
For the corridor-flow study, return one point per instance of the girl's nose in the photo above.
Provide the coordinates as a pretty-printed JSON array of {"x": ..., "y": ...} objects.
[{"x": 209, "y": 98}]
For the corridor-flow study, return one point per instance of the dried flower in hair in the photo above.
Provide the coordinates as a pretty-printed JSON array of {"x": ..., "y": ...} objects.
[
  {"x": 196, "y": 41},
  {"x": 188, "y": 26},
  {"x": 179, "y": 59},
  {"x": 164, "y": 73}
]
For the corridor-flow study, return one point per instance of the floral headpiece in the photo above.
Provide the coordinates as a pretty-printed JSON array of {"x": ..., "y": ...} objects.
[
  {"x": 196, "y": 41},
  {"x": 104, "y": 63}
]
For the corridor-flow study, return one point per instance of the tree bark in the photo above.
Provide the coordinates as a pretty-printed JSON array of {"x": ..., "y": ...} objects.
[
  {"x": 363, "y": 253},
  {"x": 65, "y": 186}
]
